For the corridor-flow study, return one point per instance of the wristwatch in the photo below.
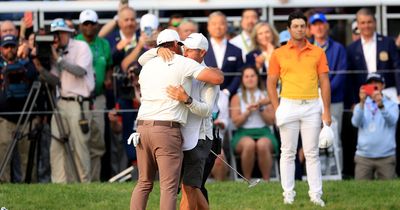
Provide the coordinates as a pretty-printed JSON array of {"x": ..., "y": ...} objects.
[{"x": 189, "y": 101}]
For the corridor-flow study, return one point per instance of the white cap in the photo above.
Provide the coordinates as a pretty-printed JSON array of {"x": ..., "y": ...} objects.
[
  {"x": 149, "y": 20},
  {"x": 196, "y": 41},
  {"x": 168, "y": 35},
  {"x": 59, "y": 24},
  {"x": 88, "y": 15},
  {"x": 326, "y": 137}
]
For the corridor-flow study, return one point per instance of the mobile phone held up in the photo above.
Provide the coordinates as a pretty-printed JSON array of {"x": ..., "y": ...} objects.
[
  {"x": 124, "y": 1},
  {"x": 369, "y": 89},
  {"x": 148, "y": 31}
]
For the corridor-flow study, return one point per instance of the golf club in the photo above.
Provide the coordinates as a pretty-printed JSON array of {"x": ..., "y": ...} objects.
[{"x": 251, "y": 184}]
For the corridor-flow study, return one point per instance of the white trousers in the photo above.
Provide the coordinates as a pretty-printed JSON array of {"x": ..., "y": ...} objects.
[{"x": 293, "y": 116}]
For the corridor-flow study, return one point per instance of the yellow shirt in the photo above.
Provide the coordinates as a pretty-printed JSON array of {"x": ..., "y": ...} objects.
[{"x": 298, "y": 70}]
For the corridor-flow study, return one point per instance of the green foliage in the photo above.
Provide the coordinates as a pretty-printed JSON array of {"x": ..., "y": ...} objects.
[{"x": 349, "y": 195}]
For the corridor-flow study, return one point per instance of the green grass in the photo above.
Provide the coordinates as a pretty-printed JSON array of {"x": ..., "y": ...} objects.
[{"x": 349, "y": 195}]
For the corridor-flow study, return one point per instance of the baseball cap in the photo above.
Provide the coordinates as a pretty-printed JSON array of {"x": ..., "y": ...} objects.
[
  {"x": 375, "y": 77},
  {"x": 88, "y": 15},
  {"x": 284, "y": 36},
  {"x": 354, "y": 28},
  {"x": 196, "y": 41},
  {"x": 149, "y": 20},
  {"x": 9, "y": 40},
  {"x": 59, "y": 24},
  {"x": 318, "y": 17},
  {"x": 168, "y": 35}
]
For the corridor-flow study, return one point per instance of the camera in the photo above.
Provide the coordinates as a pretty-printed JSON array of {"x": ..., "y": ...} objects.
[
  {"x": 43, "y": 49},
  {"x": 369, "y": 89}
]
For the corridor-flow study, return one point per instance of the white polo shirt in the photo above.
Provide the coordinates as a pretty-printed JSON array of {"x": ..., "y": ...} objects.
[
  {"x": 155, "y": 77},
  {"x": 77, "y": 53}
]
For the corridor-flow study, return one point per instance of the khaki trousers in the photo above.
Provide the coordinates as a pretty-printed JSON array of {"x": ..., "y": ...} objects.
[
  {"x": 97, "y": 145},
  {"x": 61, "y": 169},
  {"x": 160, "y": 148},
  {"x": 7, "y": 129},
  {"x": 367, "y": 168}
]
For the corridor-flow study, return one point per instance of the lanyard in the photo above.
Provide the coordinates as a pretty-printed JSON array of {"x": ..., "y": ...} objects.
[{"x": 245, "y": 45}]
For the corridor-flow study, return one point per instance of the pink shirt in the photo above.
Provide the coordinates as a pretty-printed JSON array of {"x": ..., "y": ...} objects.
[{"x": 78, "y": 53}]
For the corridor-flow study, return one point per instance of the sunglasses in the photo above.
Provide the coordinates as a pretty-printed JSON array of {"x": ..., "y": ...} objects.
[
  {"x": 86, "y": 23},
  {"x": 9, "y": 46},
  {"x": 58, "y": 24}
]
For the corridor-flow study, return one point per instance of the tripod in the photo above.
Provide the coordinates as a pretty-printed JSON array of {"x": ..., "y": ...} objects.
[{"x": 22, "y": 125}]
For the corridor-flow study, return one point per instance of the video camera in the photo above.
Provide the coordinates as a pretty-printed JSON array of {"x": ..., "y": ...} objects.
[{"x": 43, "y": 49}]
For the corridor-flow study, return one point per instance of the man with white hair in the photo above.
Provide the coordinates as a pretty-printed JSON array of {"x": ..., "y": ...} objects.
[{"x": 160, "y": 119}]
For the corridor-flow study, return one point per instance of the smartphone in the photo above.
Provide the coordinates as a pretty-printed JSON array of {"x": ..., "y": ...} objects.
[
  {"x": 148, "y": 31},
  {"x": 124, "y": 1},
  {"x": 369, "y": 89}
]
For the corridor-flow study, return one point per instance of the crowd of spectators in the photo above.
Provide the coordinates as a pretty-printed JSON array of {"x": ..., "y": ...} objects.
[{"x": 108, "y": 71}]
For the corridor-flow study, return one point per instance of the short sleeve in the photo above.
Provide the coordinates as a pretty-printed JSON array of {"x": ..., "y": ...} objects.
[
  {"x": 192, "y": 68},
  {"x": 323, "y": 64},
  {"x": 274, "y": 66}
]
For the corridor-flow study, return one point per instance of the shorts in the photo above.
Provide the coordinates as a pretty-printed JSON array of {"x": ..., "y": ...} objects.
[{"x": 193, "y": 163}]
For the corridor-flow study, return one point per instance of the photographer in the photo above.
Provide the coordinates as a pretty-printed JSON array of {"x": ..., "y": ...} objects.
[
  {"x": 71, "y": 62},
  {"x": 16, "y": 77},
  {"x": 376, "y": 118}
]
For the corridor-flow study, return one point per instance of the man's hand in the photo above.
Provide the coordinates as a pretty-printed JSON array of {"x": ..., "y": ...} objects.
[
  {"x": 362, "y": 96},
  {"x": 326, "y": 117},
  {"x": 166, "y": 54},
  {"x": 23, "y": 50},
  {"x": 123, "y": 43},
  {"x": 377, "y": 97},
  {"x": 177, "y": 93}
]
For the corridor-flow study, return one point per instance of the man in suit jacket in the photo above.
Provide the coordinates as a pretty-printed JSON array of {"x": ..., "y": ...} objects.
[
  {"x": 372, "y": 53},
  {"x": 223, "y": 54}
]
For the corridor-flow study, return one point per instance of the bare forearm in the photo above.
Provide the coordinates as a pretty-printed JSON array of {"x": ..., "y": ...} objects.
[
  {"x": 272, "y": 93},
  {"x": 133, "y": 56},
  {"x": 107, "y": 28}
]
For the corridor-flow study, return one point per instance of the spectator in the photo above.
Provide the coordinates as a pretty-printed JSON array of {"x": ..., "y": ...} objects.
[
  {"x": 186, "y": 28},
  {"x": 101, "y": 64},
  {"x": 223, "y": 54},
  {"x": 336, "y": 55},
  {"x": 284, "y": 37},
  {"x": 376, "y": 117},
  {"x": 72, "y": 63},
  {"x": 228, "y": 58},
  {"x": 243, "y": 40},
  {"x": 265, "y": 39},
  {"x": 299, "y": 108},
  {"x": 174, "y": 21},
  {"x": 16, "y": 77},
  {"x": 355, "y": 32},
  {"x": 252, "y": 113},
  {"x": 122, "y": 43},
  {"x": 373, "y": 53},
  {"x": 8, "y": 28}
]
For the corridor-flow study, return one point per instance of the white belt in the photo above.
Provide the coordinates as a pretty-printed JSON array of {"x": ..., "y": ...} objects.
[{"x": 299, "y": 101}]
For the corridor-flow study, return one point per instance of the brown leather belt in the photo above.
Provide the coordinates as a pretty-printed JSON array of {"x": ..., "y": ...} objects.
[{"x": 171, "y": 124}]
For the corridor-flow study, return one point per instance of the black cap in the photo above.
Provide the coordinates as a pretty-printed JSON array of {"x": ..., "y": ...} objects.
[
  {"x": 375, "y": 77},
  {"x": 9, "y": 40}
]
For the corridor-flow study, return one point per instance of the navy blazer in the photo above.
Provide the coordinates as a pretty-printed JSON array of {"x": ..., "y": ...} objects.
[
  {"x": 387, "y": 58},
  {"x": 251, "y": 61},
  {"x": 113, "y": 39},
  {"x": 233, "y": 61}
]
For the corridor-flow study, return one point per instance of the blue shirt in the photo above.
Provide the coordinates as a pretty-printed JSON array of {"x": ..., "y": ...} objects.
[
  {"x": 337, "y": 62},
  {"x": 376, "y": 128}
]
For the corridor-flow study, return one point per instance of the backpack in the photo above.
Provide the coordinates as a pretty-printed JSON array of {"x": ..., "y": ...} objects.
[{"x": 14, "y": 80}]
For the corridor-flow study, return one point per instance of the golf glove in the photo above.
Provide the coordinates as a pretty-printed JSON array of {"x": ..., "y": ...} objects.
[{"x": 134, "y": 138}]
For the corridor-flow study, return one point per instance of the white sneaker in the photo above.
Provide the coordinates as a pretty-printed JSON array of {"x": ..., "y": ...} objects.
[
  {"x": 288, "y": 197},
  {"x": 317, "y": 201}
]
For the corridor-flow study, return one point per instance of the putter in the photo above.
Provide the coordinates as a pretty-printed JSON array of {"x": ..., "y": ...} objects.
[{"x": 251, "y": 184}]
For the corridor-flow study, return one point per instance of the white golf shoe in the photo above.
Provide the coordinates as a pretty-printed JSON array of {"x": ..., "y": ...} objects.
[
  {"x": 317, "y": 201},
  {"x": 288, "y": 197}
]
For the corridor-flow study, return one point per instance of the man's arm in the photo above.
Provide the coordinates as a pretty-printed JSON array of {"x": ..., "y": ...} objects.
[
  {"x": 272, "y": 81},
  {"x": 326, "y": 97},
  {"x": 211, "y": 75}
]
